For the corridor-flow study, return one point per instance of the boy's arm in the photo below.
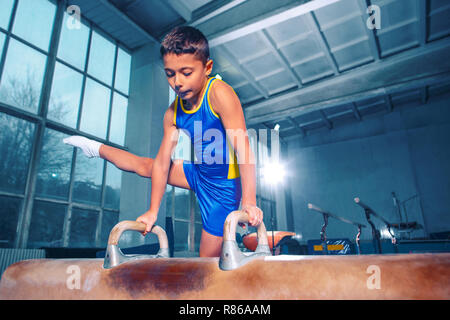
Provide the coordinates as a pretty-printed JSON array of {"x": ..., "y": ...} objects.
[
  {"x": 160, "y": 170},
  {"x": 226, "y": 104}
]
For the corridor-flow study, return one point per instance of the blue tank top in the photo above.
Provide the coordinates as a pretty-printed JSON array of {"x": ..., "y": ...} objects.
[{"x": 215, "y": 157}]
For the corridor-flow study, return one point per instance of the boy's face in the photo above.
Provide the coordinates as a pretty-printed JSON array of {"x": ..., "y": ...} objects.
[{"x": 186, "y": 74}]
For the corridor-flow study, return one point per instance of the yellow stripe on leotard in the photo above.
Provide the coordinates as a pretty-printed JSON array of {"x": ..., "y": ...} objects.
[
  {"x": 175, "y": 111},
  {"x": 233, "y": 166},
  {"x": 209, "y": 102}
]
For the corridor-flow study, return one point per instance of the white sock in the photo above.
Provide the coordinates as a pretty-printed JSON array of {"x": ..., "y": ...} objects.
[{"x": 89, "y": 147}]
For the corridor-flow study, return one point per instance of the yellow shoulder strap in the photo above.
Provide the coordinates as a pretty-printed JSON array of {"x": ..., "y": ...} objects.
[{"x": 175, "y": 111}]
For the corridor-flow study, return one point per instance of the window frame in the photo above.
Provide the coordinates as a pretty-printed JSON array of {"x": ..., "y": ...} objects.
[{"x": 42, "y": 123}]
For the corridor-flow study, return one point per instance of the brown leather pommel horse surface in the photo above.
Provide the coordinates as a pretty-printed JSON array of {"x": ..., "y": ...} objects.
[{"x": 400, "y": 276}]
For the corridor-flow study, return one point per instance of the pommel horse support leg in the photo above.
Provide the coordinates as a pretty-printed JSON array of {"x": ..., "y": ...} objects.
[{"x": 400, "y": 276}]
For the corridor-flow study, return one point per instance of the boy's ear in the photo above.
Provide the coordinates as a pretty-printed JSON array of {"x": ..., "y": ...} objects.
[{"x": 209, "y": 66}]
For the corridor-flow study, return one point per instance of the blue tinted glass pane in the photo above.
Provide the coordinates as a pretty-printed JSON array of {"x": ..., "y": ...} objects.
[
  {"x": 16, "y": 140},
  {"x": 34, "y": 22},
  {"x": 113, "y": 183},
  {"x": 94, "y": 118},
  {"x": 5, "y": 13},
  {"x": 9, "y": 215},
  {"x": 169, "y": 201},
  {"x": 65, "y": 95},
  {"x": 73, "y": 43},
  {"x": 83, "y": 224},
  {"x": 197, "y": 213},
  {"x": 198, "y": 235},
  {"x": 101, "y": 58},
  {"x": 109, "y": 220},
  {"x": 87, "y": 179},
  {"x": 181, "y": 234},
  {"x": 182, "y": 203},
  {"x": 47, "y": 223},
  {"x": 123, "y": 71},
  {"x": 2, "y": 41},
  {"x": 54, "y": 166},
  {"x": 118, "y": 119},
  {"x": 22, "y": 77}
]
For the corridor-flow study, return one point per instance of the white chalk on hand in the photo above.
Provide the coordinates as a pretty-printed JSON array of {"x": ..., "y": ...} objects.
[{"x": 89, "y": 147}]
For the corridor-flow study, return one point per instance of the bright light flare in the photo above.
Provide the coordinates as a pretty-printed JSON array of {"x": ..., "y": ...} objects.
[{"x": 273, "y": 173}]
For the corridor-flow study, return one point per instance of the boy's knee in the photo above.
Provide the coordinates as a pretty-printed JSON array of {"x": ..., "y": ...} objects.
[{"x": 145, "y": 167}]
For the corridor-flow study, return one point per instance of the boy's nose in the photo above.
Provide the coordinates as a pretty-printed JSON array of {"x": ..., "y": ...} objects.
[{"x": 178, "y": 83}]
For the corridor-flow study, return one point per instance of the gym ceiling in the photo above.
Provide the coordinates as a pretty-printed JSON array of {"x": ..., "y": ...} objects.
[{"x": 307, "y": 65}]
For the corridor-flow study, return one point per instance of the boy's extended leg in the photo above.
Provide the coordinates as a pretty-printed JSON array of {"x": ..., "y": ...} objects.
[{"x": 127, "y": 161}]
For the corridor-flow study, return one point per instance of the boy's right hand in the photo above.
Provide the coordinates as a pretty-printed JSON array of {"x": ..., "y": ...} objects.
[
  {"x": 149, "y": 220},
  {"x": 90, "y": 148}
]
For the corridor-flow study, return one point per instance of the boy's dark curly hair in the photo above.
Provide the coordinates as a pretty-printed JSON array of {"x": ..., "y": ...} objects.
[{"x": 186, "y": 39}]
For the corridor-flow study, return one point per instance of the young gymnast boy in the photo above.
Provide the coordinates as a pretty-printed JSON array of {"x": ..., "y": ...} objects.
[{"x": 210, "y": 112}]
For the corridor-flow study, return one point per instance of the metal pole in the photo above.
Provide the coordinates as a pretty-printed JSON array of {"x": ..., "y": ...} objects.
[
  {"x": 323, "y": 235},
  {"x": 357, "y": 240},
  {"x": 375, "y": 232},
  {"x": 272, "y": 218},
  {"x": 397, "y": 206}
]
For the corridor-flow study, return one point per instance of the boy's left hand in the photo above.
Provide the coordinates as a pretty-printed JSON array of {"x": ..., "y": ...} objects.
[{"x": 255, "y": 214}]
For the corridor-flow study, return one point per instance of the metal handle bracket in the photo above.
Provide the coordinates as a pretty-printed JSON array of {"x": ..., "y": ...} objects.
[
  {"x": 232, "y": 257},
  {"x": 114, "y": 255}
]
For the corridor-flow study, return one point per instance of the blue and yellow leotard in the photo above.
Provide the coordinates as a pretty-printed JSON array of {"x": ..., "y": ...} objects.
[{"x": 214, "y": 175}]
